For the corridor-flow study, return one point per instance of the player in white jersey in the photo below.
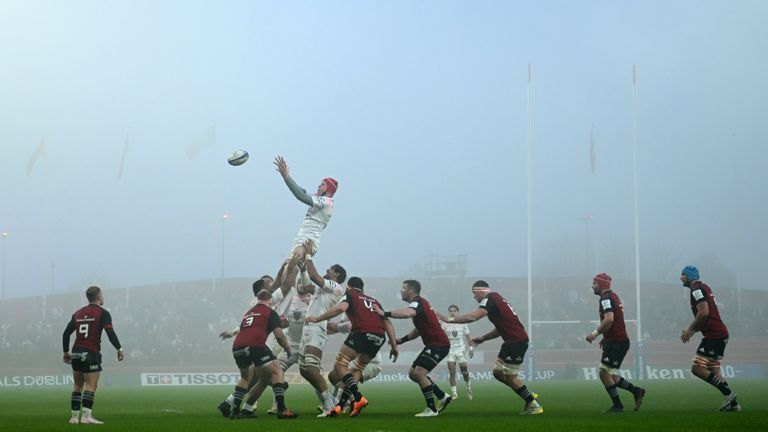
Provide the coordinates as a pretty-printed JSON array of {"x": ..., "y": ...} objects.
[
  {"x": 461, "y": 349},
  {"x": 316, "y": 219},
  {"x": 326, "y": 294}
]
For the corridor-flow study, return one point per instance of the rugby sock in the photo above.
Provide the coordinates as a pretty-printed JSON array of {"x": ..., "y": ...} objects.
[
  {"x": 247, "y": 407},
  {"x": 279, "y": 390},
  {"x": 88, "y": 397},
  {"x": 613, "y": 392},
  {"x": 453, "y": 390},
  {"x": 429, "y": 397},
  {"x": 715, "y": 381},
  {"x": 524, "y": 393},
  {"x": 231, "y": 399},
  {"x": 345, "y": 396},
  {"x": 76, "y": 400},
  {"x": 327, "y": 399},
  {"x": 351, "y": 384},
  {"x": 626, "y": 385},
  {"x": 239, "y": 394},
  {"x": 436, "y": 390}
]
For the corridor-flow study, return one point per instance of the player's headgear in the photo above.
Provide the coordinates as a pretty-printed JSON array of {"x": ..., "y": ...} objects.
[
  {"x": 480, "y": 286},
  {"x": 603, "y": 281},
  {"x": 331, "y": 185},
  {"x": 691, "y": 272}
]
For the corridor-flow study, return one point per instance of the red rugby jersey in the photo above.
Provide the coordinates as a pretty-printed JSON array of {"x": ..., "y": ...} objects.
[
  {"x": 610, "y": 302},
  {"x": 256, "y": 325},
  {"x": 714, "y": 327},
  {"x": 501, "y": 314},
  {"x": 361, "y": 313},
  {"x": 89, "y": 321},
  {"x": 428, "y": 325}
]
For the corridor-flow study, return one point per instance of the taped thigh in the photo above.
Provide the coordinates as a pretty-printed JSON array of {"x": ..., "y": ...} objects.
[
  {"x": 507, "y": 368},
  {"x": 609, "y": 370}
]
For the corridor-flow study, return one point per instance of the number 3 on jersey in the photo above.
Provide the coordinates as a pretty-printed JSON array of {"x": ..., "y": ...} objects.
[
  {"x": 510, "y": 308},
  {"x": 248, "y": 321}
]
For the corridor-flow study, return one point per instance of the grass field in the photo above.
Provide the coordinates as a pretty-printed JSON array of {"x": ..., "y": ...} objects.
[{"x": 569, "y": 406}]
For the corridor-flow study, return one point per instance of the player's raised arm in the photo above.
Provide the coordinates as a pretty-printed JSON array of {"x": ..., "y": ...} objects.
[
  {"x": 399, "y": 313},
  {"x": 314, "y": 276},
  {"x": 299, "y": 192}
]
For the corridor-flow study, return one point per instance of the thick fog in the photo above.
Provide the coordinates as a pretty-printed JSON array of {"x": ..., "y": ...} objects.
[{"x": 116, "y": 120}]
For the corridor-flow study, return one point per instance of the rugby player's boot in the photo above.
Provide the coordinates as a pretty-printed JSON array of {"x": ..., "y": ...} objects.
[
  {"x": 246, "y": 414},
  {"x": 225, "y": 408},
  {"x": 90, "y": 420},
  {"x": 469, "y": 392},
  {"x": 287, "y": 414},
  {"x": 443, "y": 403},
  {"x": 357, "y": 406},
  {"x": 728, "y": 400},
  {"x": 639, "y": 395},
  {"x": 615, "y": 410},
  {"x": 427, "y": 413},
  {"x": 74, "y": 420},
  {"x": 533, "y": 408}
]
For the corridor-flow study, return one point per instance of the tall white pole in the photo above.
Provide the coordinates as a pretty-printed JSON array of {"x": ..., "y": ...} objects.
[
  {"x": 637, "y": 211},
  {"x": 5, "y": 235},
  {"x": 224, "y": 218},
  {"x": 530, "y": 203}
]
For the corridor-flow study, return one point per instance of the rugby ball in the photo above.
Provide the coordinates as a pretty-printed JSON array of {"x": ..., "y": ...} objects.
[{"x": 238, "y": 157}]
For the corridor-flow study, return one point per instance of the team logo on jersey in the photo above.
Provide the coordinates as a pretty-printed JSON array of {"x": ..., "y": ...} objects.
[
  {"x": 428, "y": 351},
  {"x": 296, "y": 315},
  {"x": 455, "y": 333}
]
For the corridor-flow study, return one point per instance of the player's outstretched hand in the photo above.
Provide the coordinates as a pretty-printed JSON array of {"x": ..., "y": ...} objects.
[
  {"x": 225, "y": 335},
  {"x": 343, "y": 326},
  {"x": 477, "y": 341},
  {"x": 589, "y": 338},
  {"x": 67, "y": 358},
  {"x": 471, "y": 351},
  {"x": 310, "y": 320},
  {"x": 120, "y": 355},
  {"x": 685, "y": 336},
  {"x": 282, "y": 166},
  {"x": 309, "y": 246},
  {"x": 394, "y": 353}
]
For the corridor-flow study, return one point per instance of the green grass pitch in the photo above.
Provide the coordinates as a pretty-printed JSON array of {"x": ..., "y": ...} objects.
[{"x": 568, "y": 406}]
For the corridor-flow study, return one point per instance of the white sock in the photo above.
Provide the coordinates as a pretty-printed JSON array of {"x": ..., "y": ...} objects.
[
  {"x": 86, "y": 412},
  {"x": 468, "y": 385},
  {"x": 231, "y": 400},
  {"x": 248, "y": 407},
  {"x": 453, "y": 389},
  {"x": 327, "y": 400},
  {"x": 75, "y": 414}
]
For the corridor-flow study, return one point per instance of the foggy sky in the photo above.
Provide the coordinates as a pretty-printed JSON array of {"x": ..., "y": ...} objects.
[{"x": 419, "y": 109}]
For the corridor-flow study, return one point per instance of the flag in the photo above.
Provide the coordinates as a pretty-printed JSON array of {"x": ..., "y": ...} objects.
[
  {"x": 592, "y": 156},
  {"x": 125, "y": 152},
  {"x": 39, "y": 152}
]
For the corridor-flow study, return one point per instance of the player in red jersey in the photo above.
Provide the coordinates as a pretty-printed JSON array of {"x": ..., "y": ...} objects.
[
  {"x": 615, "y": 344},
  {"x": 436, "y": 345},
  {"x": 706, "y": 361},
  {"x": 508, "y": 326},
  {"x": 250, "y": 348},
  {"x": 363, "y": 343},
  {"x": 85, "y": 358}
]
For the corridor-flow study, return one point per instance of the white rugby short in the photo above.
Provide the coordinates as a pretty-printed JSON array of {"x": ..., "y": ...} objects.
[
  {"x": 456, "y": 356},
  {"x": 314, "y": 334}
]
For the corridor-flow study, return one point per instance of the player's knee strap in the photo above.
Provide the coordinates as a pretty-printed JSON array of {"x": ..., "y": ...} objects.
[
  {"x": 507, "y": 368},
  {"x": 698, "y": 360},
  {"x": 309, "y": 360},
  {"x": 609, "y": 370},
  {"x": 342, "y": 359}
]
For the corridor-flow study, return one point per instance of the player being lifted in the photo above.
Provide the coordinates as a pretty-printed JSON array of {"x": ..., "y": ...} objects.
[
  {"x": 508, "y": 326},
  {"x": 436, "y": 345},
  {"x": 327, "y": 293},
  {"x": 317, "y": 218},
  {"x": 706, "y": 361},
  {"x": 362, "y": 344},
  {"x": 615, "y": 344},
  {"x": 461, "y": 349},
  {"x": 250, "y": 349},
  {"x": 85, "y": 358}
]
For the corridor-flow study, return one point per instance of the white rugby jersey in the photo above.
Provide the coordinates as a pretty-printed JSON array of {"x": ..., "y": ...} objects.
[
  {"x": 279, "y": 301},
  {"x": 325, "y": 298},
  {"x": 317, "y": 218},
  {"x": 295, "y": 314},
  {"x": 456, "y": 334}
]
